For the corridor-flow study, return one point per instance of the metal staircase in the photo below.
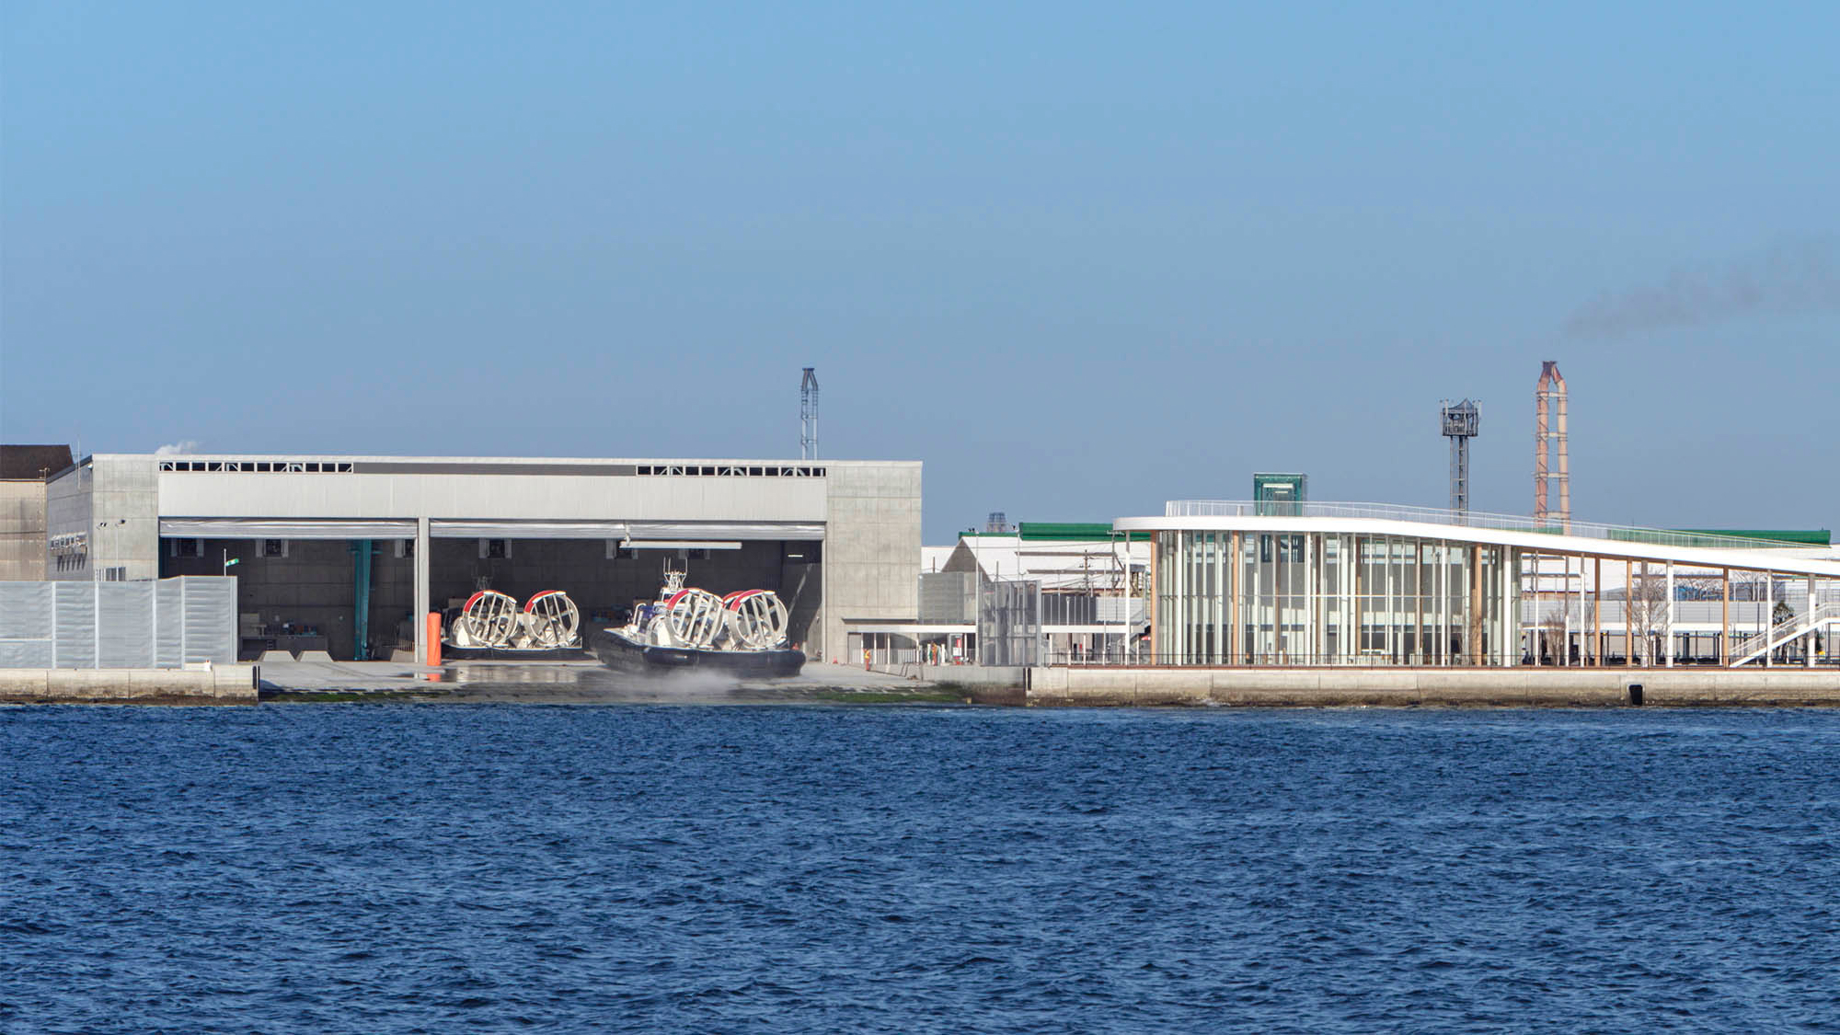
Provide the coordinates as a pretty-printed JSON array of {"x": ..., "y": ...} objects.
[{"x": 1757, "y": 645}]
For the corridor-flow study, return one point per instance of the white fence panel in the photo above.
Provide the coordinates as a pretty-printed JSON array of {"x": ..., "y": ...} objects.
[
  {"x": 124, "y": 624},
  {"x": 117, "y": 624},
  {"x": 25, "y": 625},
  {"x": 169, "y": 624},
  {"x": 209, "y": 606},
  {"x": 73, "y": 635}
]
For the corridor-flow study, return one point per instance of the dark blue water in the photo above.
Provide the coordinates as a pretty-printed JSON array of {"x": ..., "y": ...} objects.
[{"x": 505, "y": 868}]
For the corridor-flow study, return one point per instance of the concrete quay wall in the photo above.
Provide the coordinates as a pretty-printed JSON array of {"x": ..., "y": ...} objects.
[
  {"x": 218, "y": 684},
  {"x": 1439, "y": 687},
  {"x": 962, "y": 675}
]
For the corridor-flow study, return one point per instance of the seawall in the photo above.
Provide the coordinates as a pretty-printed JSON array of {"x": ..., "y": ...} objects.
[
  {"x": 1432, "y": 687},
  {"x": 216, "y": 684}
]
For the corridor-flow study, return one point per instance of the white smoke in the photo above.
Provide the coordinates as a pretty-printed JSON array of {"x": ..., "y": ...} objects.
[
  {"x": 180, "y": 448},
  {"x": 1799, "y": 277}
]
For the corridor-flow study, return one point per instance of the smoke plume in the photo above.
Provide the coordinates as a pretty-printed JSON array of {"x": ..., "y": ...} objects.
[
  {"x": 179, "y": 448},
  {"x": 1801, "y": 277}
]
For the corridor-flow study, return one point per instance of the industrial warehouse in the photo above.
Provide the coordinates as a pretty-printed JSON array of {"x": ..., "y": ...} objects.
[{"x": 342, "y": 554}]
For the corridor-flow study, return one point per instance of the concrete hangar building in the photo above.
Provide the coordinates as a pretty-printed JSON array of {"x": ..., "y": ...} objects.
[{"x": 342, "y": 552}]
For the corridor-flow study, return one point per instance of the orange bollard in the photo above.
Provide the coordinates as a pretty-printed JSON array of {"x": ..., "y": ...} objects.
[{"x": 434, "y": 639}]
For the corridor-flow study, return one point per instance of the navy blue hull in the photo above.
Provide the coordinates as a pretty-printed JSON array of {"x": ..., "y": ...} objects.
[{"x": 623, "y": 655}]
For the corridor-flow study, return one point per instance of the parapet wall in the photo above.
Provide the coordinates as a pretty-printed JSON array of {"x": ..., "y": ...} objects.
[{"x": 1409, "y": 687}]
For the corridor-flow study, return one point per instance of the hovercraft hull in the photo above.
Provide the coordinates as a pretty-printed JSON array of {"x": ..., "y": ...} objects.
[{"x": 621, "y": 654}]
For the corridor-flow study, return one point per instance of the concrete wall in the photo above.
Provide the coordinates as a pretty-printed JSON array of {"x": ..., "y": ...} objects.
[
  {"x": 872, "y": 536},
  {"x": 1408, "y": 687},
  {"x": 960, "y": 675},
  {"x": 114, "y": 502},
  {"x": 67, "y": 512},
  {"x": 22, "y": 530},
  {"x": 126, "y": 511},
  {"x": 312, "y": 585},
  {"x": 220, "y": 684},
  {"x": 479, "y": 496}
]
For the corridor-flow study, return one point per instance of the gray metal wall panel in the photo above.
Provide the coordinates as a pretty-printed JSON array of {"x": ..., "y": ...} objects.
[
  {"x": 74, "y": 613},
  {"x": 25, "y": 610},
  {"x": 466, "y": 497},
  {"x": 298, "y": 528},
  {"x": 210, "y": 620},
  {"x": 1009, "y": 623},
  {"x": 948, "y": 597},
  {"x": 124, "y": 631},
  {"x": 743, "y": 531},
  {"x": 169, "y": 623},
  {"x": 25, "y": 653}
]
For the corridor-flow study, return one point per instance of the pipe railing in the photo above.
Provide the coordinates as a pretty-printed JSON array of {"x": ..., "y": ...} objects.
[{"x": 1469, "y": 519}]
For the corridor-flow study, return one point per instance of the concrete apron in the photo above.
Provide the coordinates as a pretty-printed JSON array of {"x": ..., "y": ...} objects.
[
  {"x": 217, "y": 684},
  {"x": 1409, "y": 687}
]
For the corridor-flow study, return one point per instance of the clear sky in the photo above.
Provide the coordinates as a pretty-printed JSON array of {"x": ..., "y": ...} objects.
[{"x": 1078, "y": 259}]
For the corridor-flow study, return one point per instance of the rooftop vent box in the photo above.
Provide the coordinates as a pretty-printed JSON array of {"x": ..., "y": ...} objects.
[{"x": 1280, "y": 495}]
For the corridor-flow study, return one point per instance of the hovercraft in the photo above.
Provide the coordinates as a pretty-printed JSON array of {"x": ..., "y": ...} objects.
[{"x": 687, "y": 629}]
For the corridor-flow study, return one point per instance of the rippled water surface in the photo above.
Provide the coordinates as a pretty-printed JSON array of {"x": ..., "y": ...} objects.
[{"x": 503, "y": 868}]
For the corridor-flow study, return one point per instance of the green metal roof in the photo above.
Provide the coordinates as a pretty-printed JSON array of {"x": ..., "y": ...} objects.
[
  {"x": 1061, "y": 531},
  {"x": 1810, "y": 537},
  {"x": 1065, "y": 529}
]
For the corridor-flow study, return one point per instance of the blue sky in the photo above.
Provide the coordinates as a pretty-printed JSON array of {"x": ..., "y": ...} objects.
[{"x": 1078, "y": 259}]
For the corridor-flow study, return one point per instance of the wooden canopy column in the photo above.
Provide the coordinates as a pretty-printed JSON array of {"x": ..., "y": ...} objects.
[
  {"x": 1535, "y": 632},
  {"x": 1629, "y": 621},
  {"x": 1597, "y": 612},
  {"x": 1725, "y": 616}
]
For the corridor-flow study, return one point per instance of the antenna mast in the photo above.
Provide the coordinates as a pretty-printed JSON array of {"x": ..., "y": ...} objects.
[{"x": 808, "y": 415}]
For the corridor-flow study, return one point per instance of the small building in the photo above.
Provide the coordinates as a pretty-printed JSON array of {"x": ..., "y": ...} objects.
[
  {"x": 1077, "y": 586},
  {"x": 25, "y": 471}
]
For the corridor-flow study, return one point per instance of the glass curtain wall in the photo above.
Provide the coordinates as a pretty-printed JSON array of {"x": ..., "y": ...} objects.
[{"x": 1324, "y": 598}]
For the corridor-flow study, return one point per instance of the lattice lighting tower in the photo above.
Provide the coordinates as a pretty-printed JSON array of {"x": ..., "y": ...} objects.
[
  {"x": 808, "y": 415},
  {"x": 1462, "y": 422}
]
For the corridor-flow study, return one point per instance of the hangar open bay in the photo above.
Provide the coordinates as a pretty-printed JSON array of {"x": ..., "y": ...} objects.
[{"x": 341, "y": 553}]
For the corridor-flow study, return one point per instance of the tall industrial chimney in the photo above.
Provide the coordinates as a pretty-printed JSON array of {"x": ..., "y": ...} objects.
[{"x": 1550, "y": 401}]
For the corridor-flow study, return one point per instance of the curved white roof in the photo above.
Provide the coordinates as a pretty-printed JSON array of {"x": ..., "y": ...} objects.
[{"x": 1349, "y": 519}]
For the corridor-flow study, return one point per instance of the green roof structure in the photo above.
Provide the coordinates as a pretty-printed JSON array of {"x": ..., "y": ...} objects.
[{"x": 1809, "y": 537}]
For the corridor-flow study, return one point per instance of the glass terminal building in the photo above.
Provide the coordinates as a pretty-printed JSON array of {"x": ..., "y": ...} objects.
[{"x": 1335, "y": 584}]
